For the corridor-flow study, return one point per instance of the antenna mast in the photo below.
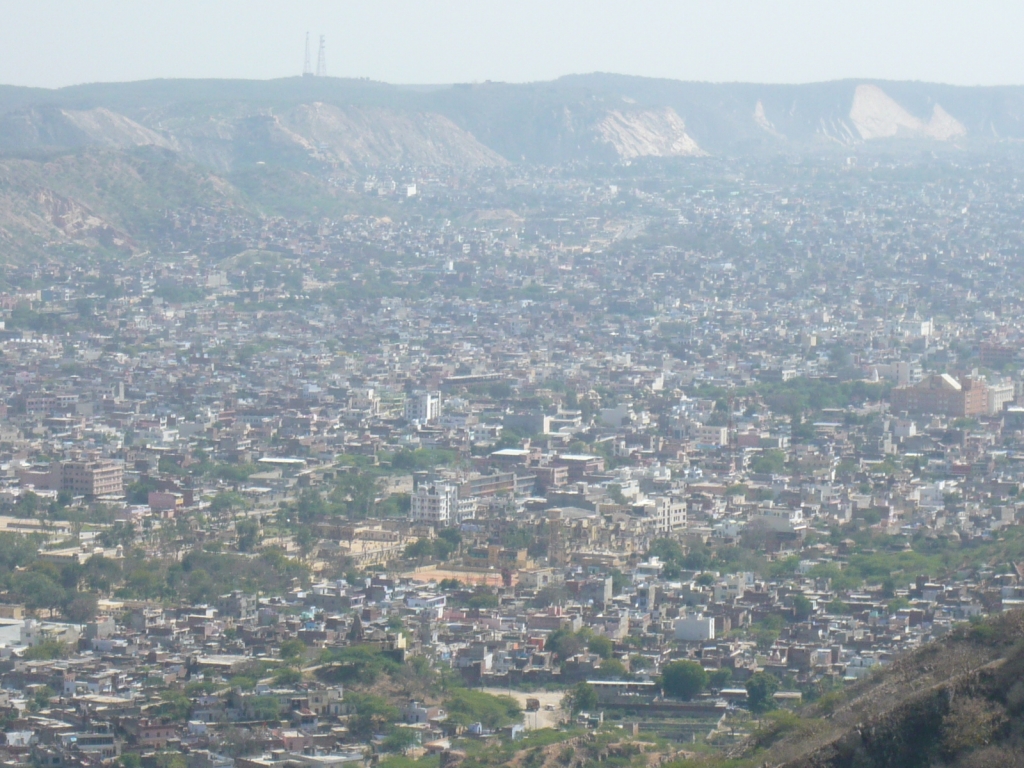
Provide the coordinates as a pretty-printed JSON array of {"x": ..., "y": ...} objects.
[
  {"x": 307, "y": 69},
  {"x": 321, "y": 59}
]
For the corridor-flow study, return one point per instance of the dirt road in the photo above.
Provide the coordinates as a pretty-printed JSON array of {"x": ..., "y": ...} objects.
[{"x": 542, "y": 718}]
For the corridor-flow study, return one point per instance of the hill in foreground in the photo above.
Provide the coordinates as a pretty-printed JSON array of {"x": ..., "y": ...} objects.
[{"x": 956, "y": 702}]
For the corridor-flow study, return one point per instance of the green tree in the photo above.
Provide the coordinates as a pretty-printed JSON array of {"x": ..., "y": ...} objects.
[
  {"x": 169, "y": 759},
  {"x": 37, "y": 589},
  {"x": 400, "y": 740},
  {"x": 667, "y": 550},
  {"x": 248, "y": 532},
  {"x": 484, "y": 600},
  {"x": 613, "y": 669},
  {"x": 41, "y": 697},
  {"x": 373, "y": 714},
  {"x": 47, "y": 650},
  {"x": 802, "y": 608},
  {"x": 720, "y": 678},
  {"x": 292, "y": 649},
  {"x": 564, "y": 643},
  {"x": 466, "y": 706},
  {"x": 265, "y": 708},
  {"x": 235, "y": 473},
  {"x": 17, "y": 551},
  {"x": 452, "y": 536},
  {"x": 697, "y": 559},
  {"x": 245, "y": 682},
  {"x": 81, "y": 607},
  {"x": 421, "y": 549},
  {"x": 174, "y": 705},
  {"x": 227, "y": 500},
  {"x": 770, "y": 462},
  {"x": 553, "y": 594},
  {"x": 580, "y": 698},
  {"x": 601, "y": 645},
  {"x": 760, "y": 690},
  {"x": 357, "y": 663},
  {"x": 101, "y": 573},
  {"x": 837, "y": 607},
  {"x": 138, "y": 493},
  {"x": 288, "y": 677},
  {"x": 683, "y": 679},
  {"x": 619, "y": 581},
  {"x": 27, "y": 505},
  {"x": 615, "y": 494}
]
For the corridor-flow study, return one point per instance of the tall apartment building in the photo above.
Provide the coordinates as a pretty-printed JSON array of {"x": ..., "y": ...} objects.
[
  {"x": 941, "y": 394},
  {"x": 100, "y": 477},
  {"x": 435, "y": 504},
  {"x": 424, "y": 407}
]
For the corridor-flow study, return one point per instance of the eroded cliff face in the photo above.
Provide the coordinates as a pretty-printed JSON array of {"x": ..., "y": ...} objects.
[
  {"x": 648, "y": 133},
  {"x": 366, "y": 136},
  {"x": 351, "y": 136},
  {"x": 50, "y": 128},
  {"x": 227, "y": 125},
  {"x": 876, "y": 115}
]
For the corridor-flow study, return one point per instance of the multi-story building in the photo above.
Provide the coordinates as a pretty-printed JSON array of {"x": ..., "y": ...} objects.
[
  {"x": 93, "y": 478},
  {"x": 941, "y": 394},
  {"x": 999, "y": 394},
  {"x": 666, "y": 513},
  {"x": 435, "y": 504},
  {"x": 484, "y": 486},
  {"x": 424, "y": 407},
  {"x": 715, "y": 436},
  {"x": 101, "y": 477}
]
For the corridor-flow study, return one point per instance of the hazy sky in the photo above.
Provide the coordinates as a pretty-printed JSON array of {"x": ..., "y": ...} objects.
[{"x": 61, "y": 42}]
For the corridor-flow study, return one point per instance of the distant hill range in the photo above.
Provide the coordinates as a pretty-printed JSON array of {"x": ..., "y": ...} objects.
[
  {"x": 102, "y": 167},
  {"x": 228, "y": 124}
]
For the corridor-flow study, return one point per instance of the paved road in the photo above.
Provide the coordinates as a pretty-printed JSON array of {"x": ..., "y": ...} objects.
[{"x": 535, "y": 720}]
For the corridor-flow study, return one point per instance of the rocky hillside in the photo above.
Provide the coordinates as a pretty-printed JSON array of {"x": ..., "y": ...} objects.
[
  {"x": 230, "y": 124},
  {"x": 348, "y": 135},
  {"x": 956, "y": 702},
  {"x": 100, "y": 199}
]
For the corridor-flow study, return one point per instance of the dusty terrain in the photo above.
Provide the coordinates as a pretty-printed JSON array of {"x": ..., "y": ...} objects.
[{"x": 535, "y": 720}]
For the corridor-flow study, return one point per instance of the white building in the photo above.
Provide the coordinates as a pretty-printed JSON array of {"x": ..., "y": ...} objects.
[
  {"x": 903, "y": 428},
  {"x": 908, "y": 373},
  {"x": 694, "y": 629},
  {"x": 424, "y": 407},
  {"x": 733, "y": 586},
  {"x": 712, "y": 435},
  {"x": 617, "y": 416},
  {"x": 667, "y": 513},
  {"x": 435, "y": 504},
  {"x": 999, "y": 394},
  {"x": 779, "y": 519}
]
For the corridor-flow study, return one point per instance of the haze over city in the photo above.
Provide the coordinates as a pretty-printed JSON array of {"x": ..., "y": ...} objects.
[
  {"x": 50, "y": 43},
  {"x": 511, "y": 385}
]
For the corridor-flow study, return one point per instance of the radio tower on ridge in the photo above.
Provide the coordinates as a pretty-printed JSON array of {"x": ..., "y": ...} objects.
[
  {"x": 321, "y": 59},
  {"x": 307, "y": 68}
]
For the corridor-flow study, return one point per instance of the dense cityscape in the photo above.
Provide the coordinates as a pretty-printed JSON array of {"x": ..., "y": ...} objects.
[{"x": 662, "y": 446}]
